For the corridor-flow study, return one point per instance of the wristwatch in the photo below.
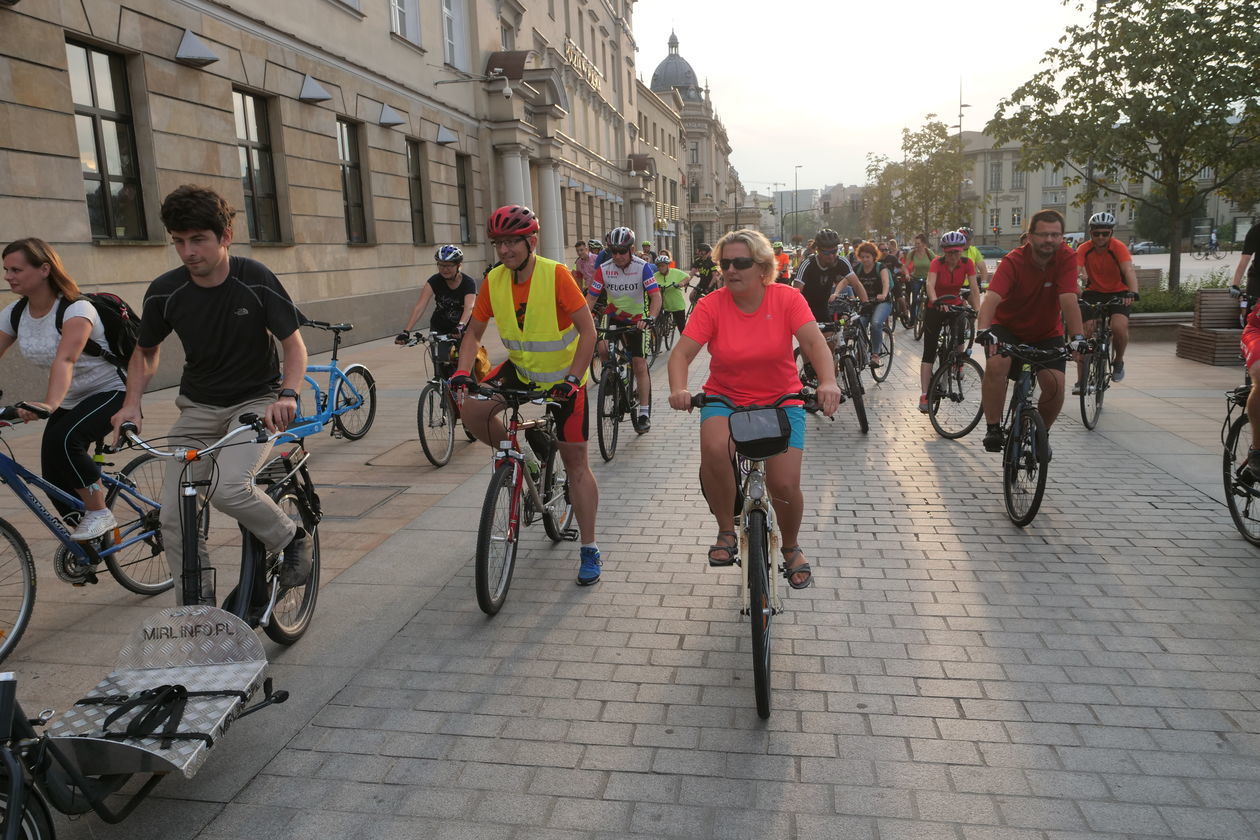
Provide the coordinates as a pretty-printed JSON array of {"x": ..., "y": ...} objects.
[
  {"x": 572, "y": 380},
  {"x": 287, "y": 392}
]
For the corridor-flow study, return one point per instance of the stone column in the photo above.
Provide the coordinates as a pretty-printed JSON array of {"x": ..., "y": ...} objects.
[
  {"x": 510, "y": 161},
  {"x": 528, "y": 187},
  {"x": 551, "y": 237}
]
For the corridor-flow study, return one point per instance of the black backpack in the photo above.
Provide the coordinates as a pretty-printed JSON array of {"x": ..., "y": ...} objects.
[{"x": 122, "y": 326}]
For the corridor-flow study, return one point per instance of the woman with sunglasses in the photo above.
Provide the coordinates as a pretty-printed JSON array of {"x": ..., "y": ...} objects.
[{"x": 749, "y": 325}]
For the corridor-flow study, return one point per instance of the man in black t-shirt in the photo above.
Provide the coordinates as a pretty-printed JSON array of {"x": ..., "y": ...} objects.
[
  {"x": 228, "y": 312},
  {"x": 824, "y": 274},
  {"x": 1247, "y": 264},
  {"x": 702, "y": 269}
]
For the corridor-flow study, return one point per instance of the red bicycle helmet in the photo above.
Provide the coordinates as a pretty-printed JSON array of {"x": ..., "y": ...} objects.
[{"x": 512, "y": 220}]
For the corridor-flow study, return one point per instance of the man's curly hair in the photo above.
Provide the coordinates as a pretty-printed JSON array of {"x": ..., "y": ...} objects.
[{"x": 193, "y": 207}]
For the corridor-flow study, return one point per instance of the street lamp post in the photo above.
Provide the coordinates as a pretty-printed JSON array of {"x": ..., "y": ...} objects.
[
  {"x": 962, "y": 161},
  {"x": 796, "y": 188}
]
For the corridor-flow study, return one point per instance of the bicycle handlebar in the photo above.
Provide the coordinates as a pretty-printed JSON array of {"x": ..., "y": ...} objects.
[
  {"x": 702, "y": 399},
  {"x": 421, "y": 337},
  {"x": 249, "y": 423},
  {"x": 1028, "y": 353}
]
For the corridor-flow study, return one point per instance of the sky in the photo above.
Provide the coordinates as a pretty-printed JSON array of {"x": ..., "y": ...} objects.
[{"x": 820, "y": 83}]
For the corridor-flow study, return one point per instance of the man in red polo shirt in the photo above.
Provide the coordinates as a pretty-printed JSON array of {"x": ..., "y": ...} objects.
[{"x": 1033, "y": 291}]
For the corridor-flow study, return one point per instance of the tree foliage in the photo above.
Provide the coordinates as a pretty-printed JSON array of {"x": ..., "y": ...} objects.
[
  {"x": 920, "y": 192},
  {"x": 1159, "y": 91}
]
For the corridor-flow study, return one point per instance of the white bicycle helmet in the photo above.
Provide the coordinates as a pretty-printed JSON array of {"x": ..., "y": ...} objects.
[
  {"x": 1102, "y": 220},
  {"x": 620, "y": 237}
]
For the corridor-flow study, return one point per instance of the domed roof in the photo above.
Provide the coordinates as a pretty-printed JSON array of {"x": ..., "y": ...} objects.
[{"x": 675, "y": 72}]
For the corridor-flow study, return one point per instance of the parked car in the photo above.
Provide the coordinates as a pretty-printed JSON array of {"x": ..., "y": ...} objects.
[
  {"x": 1147, "y": 248},
  {"x": 992, "y": 252}
]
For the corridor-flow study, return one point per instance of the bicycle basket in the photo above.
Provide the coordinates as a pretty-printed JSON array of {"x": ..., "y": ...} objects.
[{"x": 759, "y": 433}]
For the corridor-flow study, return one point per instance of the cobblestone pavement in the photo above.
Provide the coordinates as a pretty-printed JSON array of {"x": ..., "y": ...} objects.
[{"x": 949, "y": 676}]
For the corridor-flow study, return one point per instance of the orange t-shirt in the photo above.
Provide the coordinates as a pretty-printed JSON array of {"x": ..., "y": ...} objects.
[
  {"x": 569, "y": 298},
  {"x": 1102, "y": 271},
  {"x": 785, "y": 264}
]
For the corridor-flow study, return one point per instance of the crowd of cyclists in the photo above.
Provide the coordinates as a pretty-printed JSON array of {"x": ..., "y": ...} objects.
[{"x": 751, "y": 303}]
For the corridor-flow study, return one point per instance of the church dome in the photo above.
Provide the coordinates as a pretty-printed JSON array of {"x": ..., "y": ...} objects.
[{"x": 675, "y": 72}]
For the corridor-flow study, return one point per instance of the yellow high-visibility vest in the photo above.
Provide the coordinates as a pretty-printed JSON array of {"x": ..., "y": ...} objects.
[{"x": 541, "y": 352}]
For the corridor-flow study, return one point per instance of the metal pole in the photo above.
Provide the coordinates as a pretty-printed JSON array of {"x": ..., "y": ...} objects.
[{"x": 796, "y": 188}]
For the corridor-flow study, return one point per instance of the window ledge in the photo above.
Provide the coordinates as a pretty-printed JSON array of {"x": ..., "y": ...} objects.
[
  {"x": 137, "y": 243},
  {"x": 362, "y": 244},
  {"x": 347, "y": 8},
  {"x": 407, "y": 42},
  {"x": 261, "y": 244}
]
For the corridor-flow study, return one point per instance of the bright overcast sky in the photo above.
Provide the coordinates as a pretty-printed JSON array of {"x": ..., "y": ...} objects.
[{"x": 821, "y": 84}]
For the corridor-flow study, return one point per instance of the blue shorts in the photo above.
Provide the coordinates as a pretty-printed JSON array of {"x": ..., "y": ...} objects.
[{"x": 795, "y": 413}]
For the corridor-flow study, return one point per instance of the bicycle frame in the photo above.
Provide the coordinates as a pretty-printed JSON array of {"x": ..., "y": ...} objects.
[
  {"x": 757, "y": 497},
  {"x": 324, "y": 410}
]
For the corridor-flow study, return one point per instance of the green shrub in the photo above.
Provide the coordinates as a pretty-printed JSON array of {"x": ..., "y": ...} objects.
[{"x": 1181, "y": 300}]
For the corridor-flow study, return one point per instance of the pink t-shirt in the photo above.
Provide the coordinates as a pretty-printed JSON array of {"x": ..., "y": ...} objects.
[{"x": 751, "y": 352}]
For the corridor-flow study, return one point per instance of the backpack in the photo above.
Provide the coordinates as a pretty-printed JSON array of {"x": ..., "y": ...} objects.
[{"x": 122, "y": 327}]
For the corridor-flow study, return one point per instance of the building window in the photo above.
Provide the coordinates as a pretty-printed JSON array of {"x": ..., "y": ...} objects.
[
  {"x": 258, "y": 179},
  {"x": 507, "y": 36},
  {"x": 995, "y": 218},
  {"x": 1052, "y": 177},
  {"x": 463, "y": 183},
  {"x": 454, "y": 40},
  {"x": 1017, "y": 217},
  {"x": 107, "y": 143},
  {"x": 1017, "y": 178},
  {"x": 695, "y": 153},
  {"x": 1131, "y": 213},
  {"x": 351, "y": 180},
  {"x": 416, "y": 187},
  {"x": 404, "y": 19},
  {"x": 1055, "y": 196},
  {"x": 995, "y": 175},
  {"x": 694, "y": 194},
  {"x": 1113, "y": 208}
]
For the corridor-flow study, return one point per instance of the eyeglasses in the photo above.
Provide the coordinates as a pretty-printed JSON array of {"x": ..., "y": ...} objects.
[
  {"x": 1103, "y": 233},
  {"x": 506, "y": 243},
  {"x": 741, "y": 263},
  {"x": 618, "y": 250},
  {"x": 829, "y": 251}
]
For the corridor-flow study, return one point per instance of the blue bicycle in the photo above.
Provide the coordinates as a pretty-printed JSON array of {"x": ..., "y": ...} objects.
[
  {"x": 132, "y": 552},
  {"x": 353, "y": 390}
]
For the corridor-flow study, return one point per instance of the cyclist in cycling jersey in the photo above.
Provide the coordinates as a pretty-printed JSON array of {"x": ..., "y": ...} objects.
[
  {"x": 972, "y": 253},
  {"x": 824, "y": 275},
  {"x": 546, "y": 326},
  {"x": 877, "y": 280},
  {"x": 917, "y": 264},
  {"x": 702, "y": 269},
  {"x": 947, "y": 276},
  {"x": 783, "y": 262},
  {"x": 453, "y": 294},
  {"x": 83, "y": 390},
  {"x": 1106, "y": 268},
  {"x": 671, "y": 282},
  {"x": 627, "y": 282}
]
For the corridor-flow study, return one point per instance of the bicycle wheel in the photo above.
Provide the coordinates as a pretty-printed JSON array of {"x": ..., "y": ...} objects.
[
  {"x": 1024, "y": 468},
  {"x": 497, "y": 536},
  {"x": 354, "y": 414},
  {"x": 435, "y": 420},
  {"x": 1242, "y": 497},
  {"x": 142, "y": 567},
  {"x": 557, "y": 514},
  {"x": 759, "y": 607},
  {"x": 670, "y": 331},
  {"x": 1093, "y": 388},
  {"x": 653, "y": 339},
  {"x": 853, "y": 391},
  {"x": 918, "y": 324},
  {"x": 881, "y": 373},
  {"x": 295, "y": 607},
  {"x": 954, "y": 397},
  {"x": 17, "y": 587},
  {"x": 35, "y": 823},
  {"x": 608, "y": 412}
]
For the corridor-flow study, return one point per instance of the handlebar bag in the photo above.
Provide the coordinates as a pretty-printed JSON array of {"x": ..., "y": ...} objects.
[{"x": 759, "y": 433}]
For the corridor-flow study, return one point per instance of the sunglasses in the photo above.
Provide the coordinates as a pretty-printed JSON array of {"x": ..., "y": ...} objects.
[
  {"x": 1102, "y": 233},
  {"x": 741, "y": 263},
  {"x": 830, "y": 251},
  {"x": 618, "y": 250}
]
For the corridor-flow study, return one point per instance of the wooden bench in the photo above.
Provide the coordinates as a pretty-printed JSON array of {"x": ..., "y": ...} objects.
[
  {"x": 1148, "y": 278},
  {"x": 1213, "y": 336}
]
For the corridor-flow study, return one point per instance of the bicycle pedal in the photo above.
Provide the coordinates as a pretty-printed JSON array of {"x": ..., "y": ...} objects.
[{"x": 569, "y": 535}]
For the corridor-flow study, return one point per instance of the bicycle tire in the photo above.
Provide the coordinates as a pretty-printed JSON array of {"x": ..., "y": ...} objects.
[
  {"x": 17, "y": 587},
  {"x": 354, "y": 422},
  {"x": 854, "y": 387},
  {"x": 1024, "y": 469},
  {"x": 653, "y": 342},
  {"x": 143, "y": 568},
  {"x": 294, "y": 609},
  {"x": 608, "y": 413},
  {"x": 497, "y": 536},
  {"x": 36, "y": 823},
  {"x": 435, "y": 422},
  {"x": 918, "y": 324},
  {"x": 1243, "y": 499},
  {"x": 759, "y": 607},
  {"x": 881, "y": 373},
  {"x": 1093, "y": 386},
  {"x": 954, "y": 387},
  {"x": 557, "y": 513},
  {"x": 670, "y": 332}
]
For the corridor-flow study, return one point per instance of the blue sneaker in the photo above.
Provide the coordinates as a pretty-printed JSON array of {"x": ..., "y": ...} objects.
[{"x": 589, "y": 571}]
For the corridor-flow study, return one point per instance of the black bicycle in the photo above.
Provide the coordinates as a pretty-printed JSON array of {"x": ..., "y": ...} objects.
[
  {"x": 1098, "y": 364},
  {"x": 953, "y": 395},
  {"x": 617, "y": 396},
  {"x": 1026, "y": 451},
  {"x": 437, "y": 411},
  {"x": 845, "y": 365},
  {"x": 879, "y": 372}
]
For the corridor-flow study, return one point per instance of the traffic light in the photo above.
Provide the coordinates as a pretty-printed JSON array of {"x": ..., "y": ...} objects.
[{"x": 997, "y": 228}]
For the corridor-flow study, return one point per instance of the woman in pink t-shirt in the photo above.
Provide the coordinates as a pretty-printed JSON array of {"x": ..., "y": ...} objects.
[{"x": 748, "y": 326}]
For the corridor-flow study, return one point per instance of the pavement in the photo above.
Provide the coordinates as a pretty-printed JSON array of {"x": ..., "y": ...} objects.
[{"x": 948, "y": 676}]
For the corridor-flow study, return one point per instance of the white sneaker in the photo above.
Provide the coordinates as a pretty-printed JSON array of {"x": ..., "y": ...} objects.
[{"x": 95, "y": 523}]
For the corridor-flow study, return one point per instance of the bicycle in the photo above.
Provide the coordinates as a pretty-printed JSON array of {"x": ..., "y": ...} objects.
[
  {"x": 1026, "y": 451},
  {"x": 132, "y": 551},
  {"x": 515, "y": 497},
  {"x": 1098, "y": 363},
  {"x": 902, "y": 309},
  {"x": 879, "y": 372},
  {"x": 953, "y": 394},
  {"x": 618, "y": 393},
  {"x": 758, "y": 432},
  {"x": 1209, "y": 252},
  {"x": 917, "y": 302},
  {"x": 352, "y": 406},
  {"x": 437, "y": 410},
  {"x": 847, "y": 338},
  {"x": 661, "y": 336}
]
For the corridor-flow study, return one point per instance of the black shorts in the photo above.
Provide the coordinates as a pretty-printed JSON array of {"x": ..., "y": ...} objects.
[
  {"x": 634, "y": 349},
  {"x": 572, "y": 418},
  {"x": 1007, "y": 337},
  {"x": 1098, "y": 297}
]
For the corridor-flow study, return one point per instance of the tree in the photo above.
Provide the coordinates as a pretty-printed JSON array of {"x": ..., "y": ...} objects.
[
  {"x": 1152, "y": 218},
  {"x": 1157, "y": 90},
  {"x": 923, "y": 190}
]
